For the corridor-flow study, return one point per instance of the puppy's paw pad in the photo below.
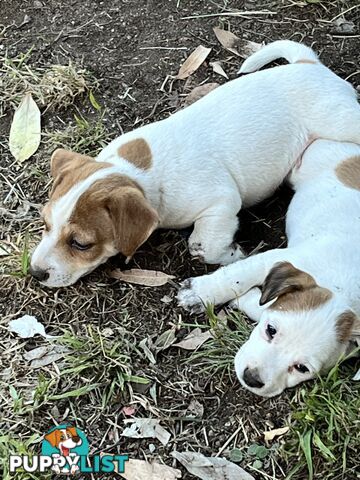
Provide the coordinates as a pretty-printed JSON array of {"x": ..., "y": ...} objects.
[
  {"x": 196, "y": 250},
  {"x": 188, "y": 298}
]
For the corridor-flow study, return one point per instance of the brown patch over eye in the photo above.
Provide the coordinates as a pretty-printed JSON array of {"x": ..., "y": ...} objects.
[
  {"x": 348, "y": 172},
  {"x": 137, "y": 152}
]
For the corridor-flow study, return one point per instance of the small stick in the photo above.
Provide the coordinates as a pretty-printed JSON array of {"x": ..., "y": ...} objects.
[{"x": 231, "y": 14}]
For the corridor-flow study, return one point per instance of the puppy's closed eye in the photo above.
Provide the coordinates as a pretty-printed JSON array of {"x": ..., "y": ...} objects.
[{"x": 79, "y": 245}]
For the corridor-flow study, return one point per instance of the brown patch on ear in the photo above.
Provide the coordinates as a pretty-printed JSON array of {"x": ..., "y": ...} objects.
[
  {"x": 345, "y": 325},
  {"x": 304, "y": 60},
  {"x": 69, "y": 168},
  {"x": 294, "y": 289},
  {"x": 137, "y": 152},
  {"x": 116, "y": 210},
  {"x": 133, "y": 218},
  {"x": 284, "y": 278},
  {"x": 53, "y": 438},
  {"x": 348, "y": 172}
]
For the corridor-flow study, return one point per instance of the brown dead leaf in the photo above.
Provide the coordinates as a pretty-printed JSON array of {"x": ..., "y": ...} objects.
[
  {"x": 271, "y": 434},
  {"x": 232, "y": 43},
  {"x": 143, "y": 470},
  {"x": 194, "y": 340},
  {"x": 217, "y": 68},
  {"x": 227, "y": 39},
  {"x": 199, "y": 92},
  {"x": 148, "y": 278},
  {"x": 193, "y": 62}
]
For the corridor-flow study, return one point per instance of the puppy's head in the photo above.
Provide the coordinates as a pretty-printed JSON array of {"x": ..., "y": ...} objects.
[
  {"x": 303, "y": 332},
  {"x": 64, "y": 437},
  {"x": 93, "y": 213}
]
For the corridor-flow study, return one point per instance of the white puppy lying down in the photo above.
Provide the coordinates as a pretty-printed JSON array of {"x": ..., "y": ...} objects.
[
  {"x": 230, "y": 149},
  {"x": 310, "y": 300}
]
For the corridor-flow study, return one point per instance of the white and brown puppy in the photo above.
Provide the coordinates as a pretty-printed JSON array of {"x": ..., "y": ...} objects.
[
  {"x": 230, "y": 149},
  {"x": 309, "y": 307}
]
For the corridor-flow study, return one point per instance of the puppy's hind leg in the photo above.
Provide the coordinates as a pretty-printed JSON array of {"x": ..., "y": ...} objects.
[
  {"x": 339, "y": 121},
  {"x": 212, "y": 238}
]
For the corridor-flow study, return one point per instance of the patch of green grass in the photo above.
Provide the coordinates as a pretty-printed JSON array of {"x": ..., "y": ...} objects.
[
  {"x": 326, "y": 428},
  {"x": 104, "y": 363},
  {"x": 24, "y": 260},
  {"x": 9, "y": 445},
  {"x": 54, "y": 86},
  {"x": 84, "y": 136},
  {"x": 229, "y": 333}
]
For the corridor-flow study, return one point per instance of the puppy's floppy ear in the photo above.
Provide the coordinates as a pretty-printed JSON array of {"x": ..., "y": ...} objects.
[
  {"x": 53, "y": 438},
  {"x": 284, "y": 278},
  {"x": 348, "y": 327},
  {"x": 62, "y": 159},
  {"x": 133, "y": 219},
  {"x": 355, "y": 331}
]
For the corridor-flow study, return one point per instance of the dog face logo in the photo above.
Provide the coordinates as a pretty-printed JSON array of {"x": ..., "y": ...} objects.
[
  {"x": 64, "y": 440},
  {"x": 65, "y": 444},
  {"x": 65, "y": 451}
]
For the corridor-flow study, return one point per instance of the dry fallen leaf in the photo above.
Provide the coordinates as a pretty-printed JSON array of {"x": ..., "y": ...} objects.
[
  {"x": 199, "y": 92},
  {"x": 25, "y": 130},
  {"x": 194, "y": 340},
  {"x": 277, "y": 432},
  {"x": 344, "y": 26},
  {"x": 217, "y": 68},
  {"x": 232, "y": 43},
  {"x": 193, "y": 62},
  {"x": 27, "y": 327},
  {"x": 165, "y": 340},
  {"x": 42, "y": 356},
  {"x": 143, "y": 470},
  {"x": 146, "y": 428},
  {"x": 148, "y": 278},
  {"x": 211, "y": 468},
  {"x": 146, "y": 345},
  {"x": 227, "y": 39}
]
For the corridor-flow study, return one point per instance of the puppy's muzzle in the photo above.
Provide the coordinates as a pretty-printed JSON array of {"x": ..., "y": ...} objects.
[
  {"x": 39, "y": 274},
  {"x": 252, "y": 378}
]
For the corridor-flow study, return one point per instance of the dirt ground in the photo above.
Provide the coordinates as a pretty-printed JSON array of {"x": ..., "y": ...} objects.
[{"x": 131, "y": 46}]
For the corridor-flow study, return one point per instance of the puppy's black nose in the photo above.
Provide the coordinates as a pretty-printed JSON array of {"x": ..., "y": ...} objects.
[
  {"x": 39, "y": 274},
  {"x": 252, "y": 378}
]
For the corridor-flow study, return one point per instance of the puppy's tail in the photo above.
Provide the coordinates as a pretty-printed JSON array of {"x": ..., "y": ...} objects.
[{"x": 293, "y": 52}]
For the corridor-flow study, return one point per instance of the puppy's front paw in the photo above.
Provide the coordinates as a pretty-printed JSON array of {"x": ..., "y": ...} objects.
[
  {"x": 196, "y": 250},
  {"x": 189, "y": 297},
  {"x": 233, "y": 254}
]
